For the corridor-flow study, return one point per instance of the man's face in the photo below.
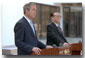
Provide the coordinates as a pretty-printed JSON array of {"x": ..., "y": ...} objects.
[
  {"x": 32, "y": 11},
  {"x": 56, "y": 17}
]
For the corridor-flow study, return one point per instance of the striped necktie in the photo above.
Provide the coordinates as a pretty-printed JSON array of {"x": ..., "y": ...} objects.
[{"x": 59, "y": 29}]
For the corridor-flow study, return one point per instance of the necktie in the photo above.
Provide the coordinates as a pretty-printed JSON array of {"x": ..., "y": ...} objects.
[
  {"x": 32, "y": 25},
  {"x": 59, "y": 29}
]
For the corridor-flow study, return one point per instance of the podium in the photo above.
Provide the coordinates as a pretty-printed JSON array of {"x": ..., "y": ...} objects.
[
  {"x": 73, "y": 49},
  {"x": 56, "y": 51},
  {"x": 76, "y": 48}
]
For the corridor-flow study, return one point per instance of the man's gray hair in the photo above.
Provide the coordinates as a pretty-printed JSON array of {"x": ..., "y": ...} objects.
[{"x": 28, "y": 6}]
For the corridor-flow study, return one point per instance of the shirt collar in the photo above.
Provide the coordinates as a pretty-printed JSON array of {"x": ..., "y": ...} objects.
[
  {"x": 56, "y": 24},
  {"x": 27, "y": 19}
]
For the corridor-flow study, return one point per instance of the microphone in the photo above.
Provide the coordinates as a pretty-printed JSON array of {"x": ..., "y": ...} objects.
[{"x": 79, "y": 41}]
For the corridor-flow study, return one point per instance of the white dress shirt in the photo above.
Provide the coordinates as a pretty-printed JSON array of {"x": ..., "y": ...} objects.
[{"x": 31, "y": 23}]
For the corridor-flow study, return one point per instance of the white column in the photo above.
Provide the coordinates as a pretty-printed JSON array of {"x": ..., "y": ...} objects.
[{"x": 61, "y": 22}]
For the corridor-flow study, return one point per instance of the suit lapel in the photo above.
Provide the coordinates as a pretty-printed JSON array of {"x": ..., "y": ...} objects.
[
  {"x": 35, "y": 31},
  {"x": 57, "y": 29},
  {"x": 28, "y": 25}
]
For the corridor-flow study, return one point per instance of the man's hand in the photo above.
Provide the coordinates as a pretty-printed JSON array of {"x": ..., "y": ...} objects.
[
  {"x": 48, "y": 46},
  {"x": 36, "y": 50},
  {"x": 66, "y": 44}
]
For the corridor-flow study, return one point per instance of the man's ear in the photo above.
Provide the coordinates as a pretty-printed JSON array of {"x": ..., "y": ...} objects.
[
  {"x": 26, "y": 10},
  {"x": 51, "y": 17}
]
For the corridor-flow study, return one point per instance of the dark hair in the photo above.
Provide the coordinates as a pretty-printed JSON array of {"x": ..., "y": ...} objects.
[{"x": 52, "y": 14}]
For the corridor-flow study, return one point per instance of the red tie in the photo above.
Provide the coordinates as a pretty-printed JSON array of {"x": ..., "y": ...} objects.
[{"x": 59, "y": 29}]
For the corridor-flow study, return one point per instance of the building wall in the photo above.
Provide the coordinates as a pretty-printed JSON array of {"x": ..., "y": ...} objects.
[{"x": 71, "y": 18}]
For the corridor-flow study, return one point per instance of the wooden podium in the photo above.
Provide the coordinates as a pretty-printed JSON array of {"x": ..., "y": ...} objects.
[
  {"x": 73, "y": 49},
  {"x": 76, "y": 48}
]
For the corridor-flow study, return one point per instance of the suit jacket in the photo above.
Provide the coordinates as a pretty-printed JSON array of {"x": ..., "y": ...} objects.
[
  {"x": 54, "y": 37},
  {"x": 25, "y": 39}
]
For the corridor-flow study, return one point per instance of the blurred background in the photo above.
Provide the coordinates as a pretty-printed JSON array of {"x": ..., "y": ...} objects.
[{"x": 71, "y": 22}]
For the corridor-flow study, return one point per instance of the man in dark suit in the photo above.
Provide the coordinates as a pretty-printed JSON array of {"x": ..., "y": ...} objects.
[
  {"x": 55, "y": 36},
  {"x": 25, "y": 33}
]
